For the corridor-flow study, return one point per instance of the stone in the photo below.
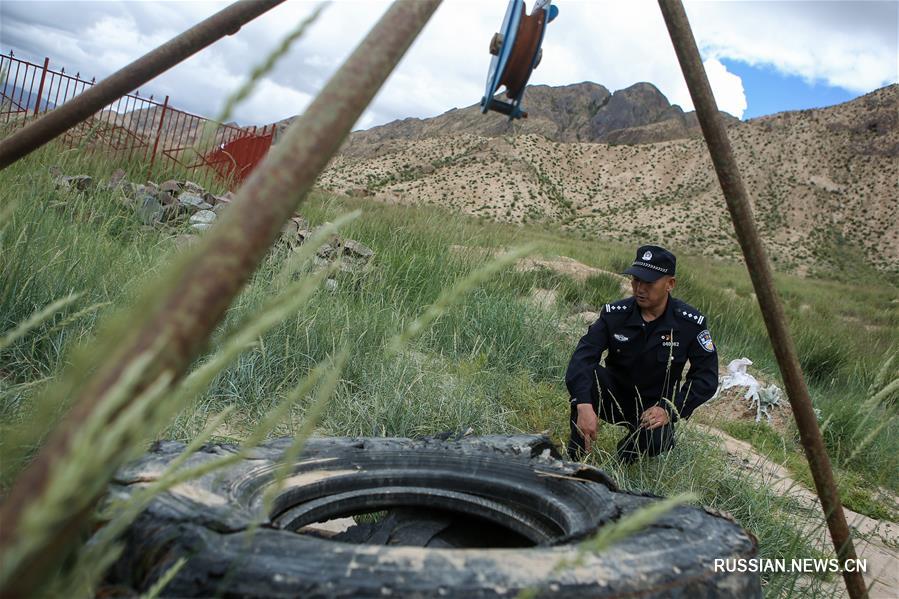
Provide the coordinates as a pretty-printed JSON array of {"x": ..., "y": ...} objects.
[
  {"x": 174, "y": 212},
  {"x": 192, "y": 201},
  {"x": 219, "y": 208},
  {"x": 191, "y": 187},
  {"x": 148, "y": 209},
  {"x": 79, "y": 182},
  {"x": 290, "y": 230},
  {"x": 331, "y": 284},
  {"x": 131, "y": 192},
  {"x": 333, "y": 240},
  {"x": 165, "y": 197},
  {"x": 128, "y": 192},
  {"x": 116, "y": 179},
  {"x": 301, "y": 222},
  {"x": 203, "y": 217},
  {"x": 327, "y": 252},
  {"x": 171, "y": 186},
  {"x": 355, "y": 249},
  {"x": 353, "y": 265},
  {"x": 200, "y": 226}
]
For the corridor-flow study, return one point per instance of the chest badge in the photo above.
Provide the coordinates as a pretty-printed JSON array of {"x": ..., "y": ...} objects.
[
  {"x": 668, "y": 341},
  {"x": 620, "y": 337},
  {"x": 705, "y": 340}
]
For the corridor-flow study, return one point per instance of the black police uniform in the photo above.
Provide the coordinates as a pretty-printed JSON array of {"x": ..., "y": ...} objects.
[{"x": 643, "y": 368}]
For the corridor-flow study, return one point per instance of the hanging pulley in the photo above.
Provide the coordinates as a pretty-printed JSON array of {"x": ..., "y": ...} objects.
[{"x": 516, "y": 53}]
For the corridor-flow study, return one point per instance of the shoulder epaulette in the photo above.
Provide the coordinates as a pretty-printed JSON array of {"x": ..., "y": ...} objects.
[
  {"x": 618, "y": 307},
  {"x": 688, "y": 312}
]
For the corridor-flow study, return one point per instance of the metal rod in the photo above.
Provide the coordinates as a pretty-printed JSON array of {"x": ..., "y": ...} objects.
[
  {"x": 165, "y": 106},
  {"x": 40, "y": 88},
  {"x": 145, "y": 68},
  {"x": 180, "y": 309},
  {"x": 763, "y": 281}
]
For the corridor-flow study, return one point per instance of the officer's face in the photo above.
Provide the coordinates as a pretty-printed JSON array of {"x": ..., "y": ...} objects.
[{"x": 651, "y": 296}]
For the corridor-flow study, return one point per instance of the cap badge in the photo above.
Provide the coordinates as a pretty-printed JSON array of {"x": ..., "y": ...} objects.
[{"x": 647, "y": 255}]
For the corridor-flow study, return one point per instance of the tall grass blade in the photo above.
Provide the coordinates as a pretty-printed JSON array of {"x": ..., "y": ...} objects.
[
  {"x": 155, "y": 591},
  {"x": 36, "y": 319},
  {"x": 310, "y": 421}
]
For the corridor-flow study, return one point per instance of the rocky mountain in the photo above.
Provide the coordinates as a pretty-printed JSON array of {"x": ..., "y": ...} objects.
[
  {"x": 586, "y": 112},
  {"x": 824, "y": 182}
]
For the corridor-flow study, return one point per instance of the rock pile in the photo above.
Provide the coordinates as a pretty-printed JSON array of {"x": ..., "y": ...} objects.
[
  {"x": 178, "y": 203},
  {"x": 353, "y": 254}
]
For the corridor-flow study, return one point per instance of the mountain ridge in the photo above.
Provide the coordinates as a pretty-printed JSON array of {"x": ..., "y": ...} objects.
[
  {"x": 823, "y": 182},
  {"x": 584, "y": 111}
]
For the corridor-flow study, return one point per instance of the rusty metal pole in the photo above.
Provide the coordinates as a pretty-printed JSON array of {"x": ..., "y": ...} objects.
[
  {"x": 763, "y": 281},
  {"x": 165, "y": 106},
  {"x": 180, "y": 309},
  {"x": 225, "y": 22},
  {"x": 40, "y": 88}
]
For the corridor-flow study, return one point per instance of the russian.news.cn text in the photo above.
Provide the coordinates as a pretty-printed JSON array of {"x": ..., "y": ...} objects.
[{"x": 805, "y": 565}]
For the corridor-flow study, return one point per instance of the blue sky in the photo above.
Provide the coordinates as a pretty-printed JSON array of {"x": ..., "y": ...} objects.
[
  {"x": 761, "y": 56},
  {"x": 769, "y": 91}
]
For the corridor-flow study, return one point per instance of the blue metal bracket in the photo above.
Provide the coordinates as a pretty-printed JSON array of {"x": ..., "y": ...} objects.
[{"x": 501, "y": 59}]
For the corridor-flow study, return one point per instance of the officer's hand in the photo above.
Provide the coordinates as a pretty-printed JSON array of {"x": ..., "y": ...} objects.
[
  {"x": 654, "y": 417},
  {"x": 586, "y": 423}
]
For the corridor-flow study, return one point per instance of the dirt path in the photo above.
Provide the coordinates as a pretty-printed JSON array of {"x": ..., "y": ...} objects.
[{"x": 875, "y": 540}]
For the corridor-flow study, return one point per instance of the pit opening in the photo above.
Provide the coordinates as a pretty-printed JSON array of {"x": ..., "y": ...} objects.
[
  {"x": 417, "y": 527},
  {"x": 415, "y": 516}
]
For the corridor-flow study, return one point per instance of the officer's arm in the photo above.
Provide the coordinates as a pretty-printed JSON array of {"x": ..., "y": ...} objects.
[
  {"x": 701, "y": 380},
  {"x": 580, "y": 378}
]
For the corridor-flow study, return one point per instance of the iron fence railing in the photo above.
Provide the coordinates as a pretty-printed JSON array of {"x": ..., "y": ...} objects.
[{"x": 133, "y": 127}]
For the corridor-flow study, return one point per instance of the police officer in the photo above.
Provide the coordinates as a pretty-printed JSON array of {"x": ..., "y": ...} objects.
[{"x": 648, "y": 339}]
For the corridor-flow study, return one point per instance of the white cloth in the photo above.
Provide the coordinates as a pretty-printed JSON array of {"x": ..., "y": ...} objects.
[{"x": 760, "y": 397}]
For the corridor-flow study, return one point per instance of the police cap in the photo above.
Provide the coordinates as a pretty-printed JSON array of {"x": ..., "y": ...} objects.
[{"x": 652, "y": 263}]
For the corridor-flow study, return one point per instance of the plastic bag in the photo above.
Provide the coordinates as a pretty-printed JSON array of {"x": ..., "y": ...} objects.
[{"x": 760, "y": 397}]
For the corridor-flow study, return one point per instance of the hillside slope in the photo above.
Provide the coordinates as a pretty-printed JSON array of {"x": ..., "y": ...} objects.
[{"x": 823, "y": 181}]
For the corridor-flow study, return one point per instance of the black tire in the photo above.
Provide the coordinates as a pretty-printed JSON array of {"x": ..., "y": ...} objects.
[{"x": 513, "y": 484}]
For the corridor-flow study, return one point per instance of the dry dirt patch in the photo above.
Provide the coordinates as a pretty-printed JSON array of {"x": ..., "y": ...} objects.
[{"x": 566, "y": 266}]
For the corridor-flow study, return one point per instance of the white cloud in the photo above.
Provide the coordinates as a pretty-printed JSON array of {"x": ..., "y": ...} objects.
[
  {"x": 845, "y": 43},
  {"x": 726, "y": 86},
  {"x": 849, "y": 44},
  {"x": 256, "y": 108}
]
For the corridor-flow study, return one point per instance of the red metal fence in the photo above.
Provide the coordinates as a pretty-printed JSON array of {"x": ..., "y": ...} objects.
[{"x": 133, "y": 127}]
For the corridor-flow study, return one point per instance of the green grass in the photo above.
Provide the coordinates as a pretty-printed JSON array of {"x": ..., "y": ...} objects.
[{"x": 493, "y": 362}]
